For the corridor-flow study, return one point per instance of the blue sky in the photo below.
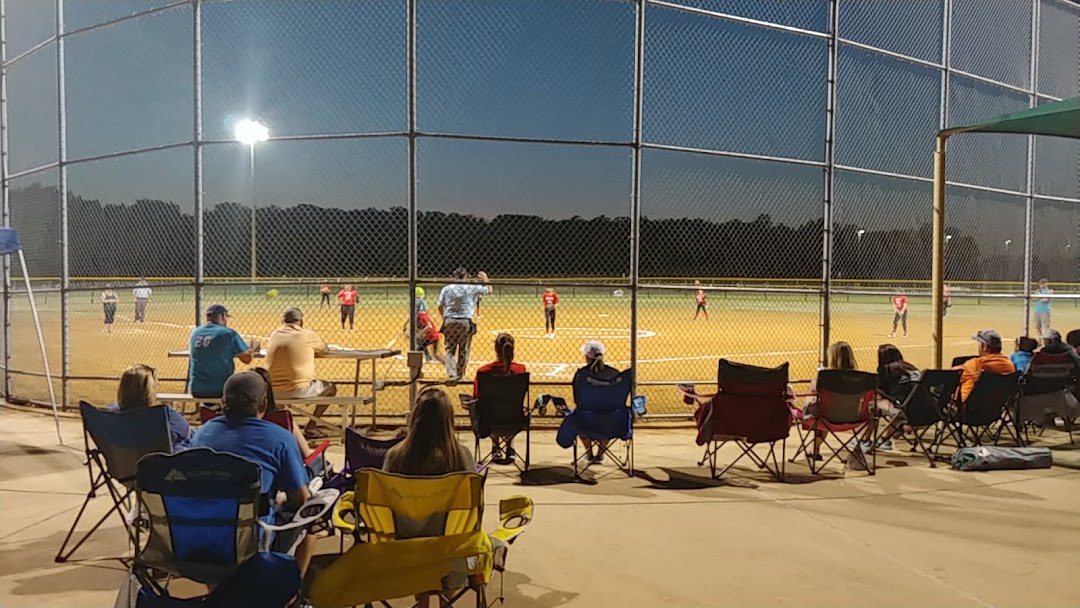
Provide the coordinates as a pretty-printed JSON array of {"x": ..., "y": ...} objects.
[{"x": 551, "y": 69}]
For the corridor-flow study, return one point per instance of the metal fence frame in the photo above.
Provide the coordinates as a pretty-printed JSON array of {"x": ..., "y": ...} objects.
[{"x": 634, "y": 282}]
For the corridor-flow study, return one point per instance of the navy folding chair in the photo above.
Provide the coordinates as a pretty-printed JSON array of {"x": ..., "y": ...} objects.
[
  {"x": 362, "y": 451},
  {"x": 602, "y": 415},
  {"x": 115, "y": 441},
  {"x": 200, "y": 510}
]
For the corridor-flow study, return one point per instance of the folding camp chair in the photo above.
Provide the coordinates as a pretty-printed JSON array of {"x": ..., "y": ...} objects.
[
  {"x": 316, "y": 464},
  {"x": 119, "y": 439},
  {"x": 988, "y": 405},
  {"x": 926, "y": 407},
  {"x": 844, "y": 405},
  {"x": 1046, "y": 392},
  {"x": 750, "y": 409},
  {"x": 418, "y": 535},
  {"x": 603, "y": 416},
  {"x": 501, "y": 412},
  {"x": 363, "y": 451},
  {"x": 200, "y": 510}
]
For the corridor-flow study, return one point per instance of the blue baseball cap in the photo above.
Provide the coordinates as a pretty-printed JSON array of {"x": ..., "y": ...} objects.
[{"x": 217, "y": 309}]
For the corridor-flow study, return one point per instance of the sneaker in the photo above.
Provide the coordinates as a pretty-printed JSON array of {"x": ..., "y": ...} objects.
[
  {"x": 511, "y": 454},
  {"x": 885, "y": 444},
  {"x": 497, "y": 456},
  {"x": 598, "y": 459},
  {"x": 866, "y": 447},
  {"x": 905, "y": 336},
  {"x": 892, "y": 334}
]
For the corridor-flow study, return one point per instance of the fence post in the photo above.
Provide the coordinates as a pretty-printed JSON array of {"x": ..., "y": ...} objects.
[
  {"x": 5, "y": 207},
  {"x": 1029, "y": 206},
  {"x": 196, "y": 138},
  {"x": 65, "y": 242},
  {"x": 635, "y": 188},
  {"x": 413, "y": 214},
  {"x": 827, "y": 199}
]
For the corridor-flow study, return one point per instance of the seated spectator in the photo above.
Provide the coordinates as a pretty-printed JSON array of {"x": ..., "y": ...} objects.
[
  {"x": 896, "y": 379},
  {"x": 1073, "y": 338},
  {"x": 138, "y": 388},
  {"x": 243, "y": 432},
  {"x": 271, "y": 406},
  {"x": 840, "y": 355},
  {"x": 1052, "y": 345},
  {"x": 503, "y": 365},
  {"x": 594, "y": 365},
  {"x": 989, "y": 359},
  {"x": 212, "y": 348},
  {"x": 1025, "y": 350},
  {"x": 290, "y": 359},
  {"x": 430, "y": 446}
]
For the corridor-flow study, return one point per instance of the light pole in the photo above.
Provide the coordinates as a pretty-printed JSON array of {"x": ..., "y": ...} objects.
[
  {"x": 250, "y": 132},
  {"x": 1007, "y": 264}
]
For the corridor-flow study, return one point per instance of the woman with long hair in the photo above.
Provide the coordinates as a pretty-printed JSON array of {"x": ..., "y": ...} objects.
[
  {"x": 430, "y": 446},
  {"x": 839, "y": 355},
  {"x": 503, "y": 365},
  {"x": 896, "y": 379},
  {"x": 138, "y": 389}
]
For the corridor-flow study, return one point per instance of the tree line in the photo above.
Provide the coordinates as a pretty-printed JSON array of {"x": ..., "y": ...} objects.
[{"x": 157, "y": 238}]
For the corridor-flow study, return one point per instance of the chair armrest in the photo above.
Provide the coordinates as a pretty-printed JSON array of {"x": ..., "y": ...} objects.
[
  {"x": 467, "y": 400},
  {"x": 317, "y": 452},
  {"x": 315, "y": 509}
]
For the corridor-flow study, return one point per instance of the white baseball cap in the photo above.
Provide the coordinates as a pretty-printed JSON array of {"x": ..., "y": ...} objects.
[{"x": 593, "y": 349}]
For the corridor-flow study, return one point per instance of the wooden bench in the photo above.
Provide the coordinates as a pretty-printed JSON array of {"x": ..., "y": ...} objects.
[{"x": 292, "y": 403}]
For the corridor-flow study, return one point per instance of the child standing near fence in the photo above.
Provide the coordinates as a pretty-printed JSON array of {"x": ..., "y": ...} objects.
[
  {"x": 702, "y": 304},
  {"x": 899, "y": 304},
  {"x": 551, "y": 301}
]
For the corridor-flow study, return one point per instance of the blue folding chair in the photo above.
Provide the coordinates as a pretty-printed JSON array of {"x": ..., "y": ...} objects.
[
  {"x": 200, "y": 510},
  {"x": 115, "y": 441},
  {"x": 603, "y": 416}
]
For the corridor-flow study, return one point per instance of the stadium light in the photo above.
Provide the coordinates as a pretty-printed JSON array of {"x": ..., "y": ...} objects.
[
  {"x": 948, "y": 237},
  {"x": 250, "y": 132}
]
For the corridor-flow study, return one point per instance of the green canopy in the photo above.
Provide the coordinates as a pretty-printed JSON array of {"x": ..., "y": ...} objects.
[{"x": 1057, "y": 118}]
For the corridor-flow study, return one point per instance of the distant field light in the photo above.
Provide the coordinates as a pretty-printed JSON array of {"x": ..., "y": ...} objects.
[{"x": 250, "y": 132}]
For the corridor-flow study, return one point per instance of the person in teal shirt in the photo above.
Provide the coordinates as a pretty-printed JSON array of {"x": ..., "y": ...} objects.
[
  {"x": 212, "y": 349},
  {"x": 1042, "y": 307}
]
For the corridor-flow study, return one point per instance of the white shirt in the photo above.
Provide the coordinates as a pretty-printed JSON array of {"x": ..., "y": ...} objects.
[{"x": 142, "y": 293}]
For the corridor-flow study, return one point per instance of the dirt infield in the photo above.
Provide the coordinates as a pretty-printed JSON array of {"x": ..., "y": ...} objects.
[{"x": 759, "y": 328}]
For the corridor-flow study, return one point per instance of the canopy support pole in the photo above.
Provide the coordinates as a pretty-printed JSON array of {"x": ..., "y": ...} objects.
[
  {"x": 938, "y": 272},
  {"x": 41, "y": 345}
]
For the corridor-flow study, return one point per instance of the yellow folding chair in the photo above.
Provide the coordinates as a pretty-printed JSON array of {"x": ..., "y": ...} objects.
[{"x": 417, "y": 535}]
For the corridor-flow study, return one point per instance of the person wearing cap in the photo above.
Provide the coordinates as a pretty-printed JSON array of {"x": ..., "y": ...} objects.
[
  {"x": 594, "y": 366},
  {"x": 213, "y": 347},
  {"x": 1053, "y": 345},
  {"x": 243, "y": 432},
  {"x": 290, "y": 359},
  {"x": 989, "y": 359},
  {"x": 141, "y": 293},
  {"x": 457, "y": 306}
]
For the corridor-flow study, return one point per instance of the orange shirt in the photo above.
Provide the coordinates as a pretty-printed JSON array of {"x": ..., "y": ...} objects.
[
  {"x": 996, "y": 363},
  {"x": 497, "y": 367}
]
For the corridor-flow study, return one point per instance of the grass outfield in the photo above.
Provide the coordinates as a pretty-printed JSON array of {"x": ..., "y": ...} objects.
[{"x": 756, "y": 328}]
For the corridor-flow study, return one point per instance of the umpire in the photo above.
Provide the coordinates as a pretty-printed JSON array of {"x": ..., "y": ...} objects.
[{"x": 457, "y": 306}]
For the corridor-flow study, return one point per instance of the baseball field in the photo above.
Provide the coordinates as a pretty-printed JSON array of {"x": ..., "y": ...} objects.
[{"x": 752, "y": 327}]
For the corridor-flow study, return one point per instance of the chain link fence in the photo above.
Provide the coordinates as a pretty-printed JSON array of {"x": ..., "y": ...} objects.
[{"x": 693, "y": 179}]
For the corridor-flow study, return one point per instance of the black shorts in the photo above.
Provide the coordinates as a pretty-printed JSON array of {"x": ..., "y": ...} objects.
[
  {"x": 110, "y": 313},
  {"x": 348, "y": 311}
]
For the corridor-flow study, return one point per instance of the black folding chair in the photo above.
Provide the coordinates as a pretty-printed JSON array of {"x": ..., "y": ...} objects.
[
  {"x": 120, "y": 439},
  {"x": 987, "y": 411},
  {"x": 501, "y": 411},
  {"x": 1046, "y": 391},
  {"x": 926, "y": 407},
  {"x": 843, "y": 405}
]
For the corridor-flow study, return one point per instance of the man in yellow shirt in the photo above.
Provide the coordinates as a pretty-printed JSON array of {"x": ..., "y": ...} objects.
[
  {"x": 290, "y": 359},
  {"x": 990, "y": 359}
]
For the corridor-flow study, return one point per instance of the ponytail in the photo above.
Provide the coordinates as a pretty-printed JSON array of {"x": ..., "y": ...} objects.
[
  {"x": 504, "y": 350},
  {"x": 597, "y": 366}
]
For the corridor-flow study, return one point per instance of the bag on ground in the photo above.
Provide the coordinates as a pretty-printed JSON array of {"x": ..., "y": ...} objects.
[{"x": 995, "y": 458}]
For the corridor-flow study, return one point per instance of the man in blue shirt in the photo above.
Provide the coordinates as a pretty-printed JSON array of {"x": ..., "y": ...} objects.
[
  {"x": 243, "y": 432},
  {"x": 457, "y": 305},
  {"x": 1042, "y": 307},
  {"x": 213, "y": 347}
]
